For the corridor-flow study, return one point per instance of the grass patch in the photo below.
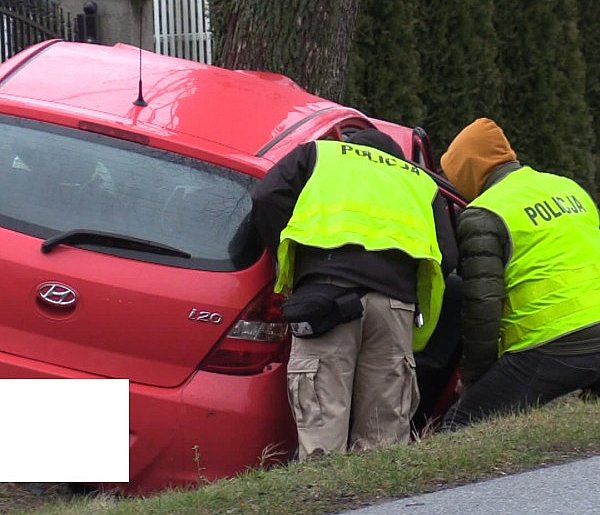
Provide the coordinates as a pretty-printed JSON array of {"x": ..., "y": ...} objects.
[{"x": 567, "y": 429}]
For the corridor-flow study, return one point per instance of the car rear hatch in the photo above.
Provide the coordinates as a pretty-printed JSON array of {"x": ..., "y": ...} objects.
[{"x": 125, "y": 261}]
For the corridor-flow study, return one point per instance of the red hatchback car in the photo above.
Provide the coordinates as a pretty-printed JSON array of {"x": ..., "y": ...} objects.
[{"x": 127, "y": 250}]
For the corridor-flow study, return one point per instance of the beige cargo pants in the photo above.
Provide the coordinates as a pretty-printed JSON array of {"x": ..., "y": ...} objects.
[{"x": 355, "y": 387}]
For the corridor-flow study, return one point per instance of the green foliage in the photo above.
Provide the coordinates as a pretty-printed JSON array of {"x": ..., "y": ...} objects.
[
  {"x": 589, "y": 14},
  {"x": 544, "y": 112},
  {"x": 384, "y": 79},
  {"x": 451, "y": 79},
  {"x": 458, "y": 50},
  {"x": 534, "y": 67}
]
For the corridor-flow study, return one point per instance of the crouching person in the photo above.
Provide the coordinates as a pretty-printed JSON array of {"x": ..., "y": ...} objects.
[
  {"x": 359, "y": 235},
  {"x": 530, "y": 254}
]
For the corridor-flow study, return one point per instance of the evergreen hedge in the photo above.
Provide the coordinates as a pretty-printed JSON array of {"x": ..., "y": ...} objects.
[{"x": 534, "y": 67}]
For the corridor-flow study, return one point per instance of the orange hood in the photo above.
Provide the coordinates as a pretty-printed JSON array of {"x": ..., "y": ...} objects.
[{"x": 473, "y": 154}]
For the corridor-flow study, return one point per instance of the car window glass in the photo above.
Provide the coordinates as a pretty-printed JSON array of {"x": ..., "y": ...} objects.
[{"x": 59, "y": 180}]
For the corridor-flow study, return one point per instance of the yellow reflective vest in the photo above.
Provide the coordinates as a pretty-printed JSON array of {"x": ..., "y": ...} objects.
[
  {"x": 552, "y": 279},
  {"x": 360, "y": 195}
]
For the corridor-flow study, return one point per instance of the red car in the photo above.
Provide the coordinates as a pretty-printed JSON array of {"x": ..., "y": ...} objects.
[{"x": 127, "y": 250}]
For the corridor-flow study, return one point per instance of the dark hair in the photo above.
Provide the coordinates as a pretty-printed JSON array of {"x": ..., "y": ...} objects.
[{"x": 377, "y": 139}]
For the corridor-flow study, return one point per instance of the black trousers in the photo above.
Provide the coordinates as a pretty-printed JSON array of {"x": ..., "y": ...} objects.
[{"x": 519, "y": 380}]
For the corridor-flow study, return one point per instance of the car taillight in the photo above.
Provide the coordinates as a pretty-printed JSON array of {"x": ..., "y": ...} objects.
[{"x": 259, "y": 337}]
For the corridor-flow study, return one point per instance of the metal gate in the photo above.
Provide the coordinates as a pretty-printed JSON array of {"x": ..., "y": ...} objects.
[
  {"x": 26, "y": 22},
  {"x": 182, "y": 29}
]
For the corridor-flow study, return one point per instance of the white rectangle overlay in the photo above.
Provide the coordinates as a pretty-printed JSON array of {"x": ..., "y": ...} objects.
[{"x": 64, "y": 430}]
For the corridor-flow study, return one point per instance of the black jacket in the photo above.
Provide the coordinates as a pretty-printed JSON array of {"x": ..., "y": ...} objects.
[
  {"x": 391, "y": 272},
  {"x": 484, "y": 249}
]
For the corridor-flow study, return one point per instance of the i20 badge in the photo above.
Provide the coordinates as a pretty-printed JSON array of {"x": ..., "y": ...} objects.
[
  {"x": 57, "y": 295},
  {"x": 205, "y": 316}
]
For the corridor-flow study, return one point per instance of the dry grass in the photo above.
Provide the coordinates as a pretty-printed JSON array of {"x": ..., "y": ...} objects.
[
  {"x": 565, "y": 430},
  {"x": 15, "y": 497}
]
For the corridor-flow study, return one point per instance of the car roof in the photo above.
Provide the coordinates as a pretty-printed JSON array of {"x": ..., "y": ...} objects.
[{"x": 240, "y": 112}]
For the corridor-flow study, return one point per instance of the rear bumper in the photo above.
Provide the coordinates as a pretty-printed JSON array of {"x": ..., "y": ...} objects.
[{"x": 213, "y": 426}]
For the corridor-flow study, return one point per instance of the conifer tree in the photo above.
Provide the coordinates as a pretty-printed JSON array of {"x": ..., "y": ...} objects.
[
  {"x": 589, "y": 16},
  {"x": 458, "y": 48},
  {"x": 544, "y": 110},
  {"x": 384, "y": 78}
]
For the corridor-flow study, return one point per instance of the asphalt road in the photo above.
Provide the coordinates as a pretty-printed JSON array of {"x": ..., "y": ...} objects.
[{"x": 568, "y": 489}]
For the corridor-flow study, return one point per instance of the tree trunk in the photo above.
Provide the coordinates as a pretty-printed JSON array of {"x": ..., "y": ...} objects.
[{"x": 307, "y": 40}]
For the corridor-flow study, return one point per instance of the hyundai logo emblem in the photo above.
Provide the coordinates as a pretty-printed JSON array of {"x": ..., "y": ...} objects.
[{"x": 57, "y": 295}]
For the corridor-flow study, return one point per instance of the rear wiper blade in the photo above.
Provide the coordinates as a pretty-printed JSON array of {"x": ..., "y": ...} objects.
[{"x": 108, "y": 239}]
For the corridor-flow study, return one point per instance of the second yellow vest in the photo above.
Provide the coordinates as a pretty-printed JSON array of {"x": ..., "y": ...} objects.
[{"x": 552, "y": 279}]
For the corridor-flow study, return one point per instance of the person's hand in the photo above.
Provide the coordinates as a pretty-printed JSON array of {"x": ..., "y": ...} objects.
[{"x": 460, "y": 388}]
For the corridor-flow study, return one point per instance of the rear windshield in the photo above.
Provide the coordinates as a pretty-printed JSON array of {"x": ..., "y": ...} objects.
[{"x": 54, "y": 180}]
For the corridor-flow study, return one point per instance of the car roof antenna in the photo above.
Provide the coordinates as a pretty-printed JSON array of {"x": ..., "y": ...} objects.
[{"x": 140, "y": 99}]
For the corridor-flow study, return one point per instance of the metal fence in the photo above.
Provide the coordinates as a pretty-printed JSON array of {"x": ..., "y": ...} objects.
[
  {"x": 182, "y": 29},
  {"x": 26, "y": 22}
]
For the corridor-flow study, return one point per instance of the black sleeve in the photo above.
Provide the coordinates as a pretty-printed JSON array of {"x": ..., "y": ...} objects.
[
  {"x": 274, "y": 198},
  {"x": 484, "y": 245},
  {"x": 445, "y": 234}
]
